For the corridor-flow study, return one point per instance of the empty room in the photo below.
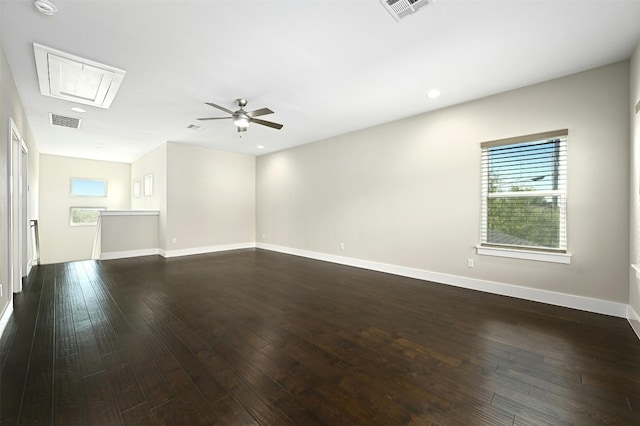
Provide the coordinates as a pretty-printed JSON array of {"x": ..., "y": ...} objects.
[{"x": 320, "y": 212}]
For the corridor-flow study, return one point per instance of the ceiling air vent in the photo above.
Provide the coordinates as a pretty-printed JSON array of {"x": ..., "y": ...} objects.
[
  {"x": 65, "y": 76},
  {"x": 62, "y": 121},
  {"x": 400, "y": 9}
]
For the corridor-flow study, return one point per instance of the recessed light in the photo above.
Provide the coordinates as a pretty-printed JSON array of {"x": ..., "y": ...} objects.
[
  {"x": 433, "y": 93},
  {"x": 260, "y": 147},
  {"x": 77, "y": 109},
  {"x": 98, "y": 145},
  {"x": 45, "y": 7}
]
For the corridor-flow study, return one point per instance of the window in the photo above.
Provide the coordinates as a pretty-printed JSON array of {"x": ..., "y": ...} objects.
[
  {"x": 84, "y": 216},
  {"x": 148, "y": 185},
  {"x": 136, "y": 188},
  {"x": 88, "y": 187},
  {"x": 524, "y": 193}
]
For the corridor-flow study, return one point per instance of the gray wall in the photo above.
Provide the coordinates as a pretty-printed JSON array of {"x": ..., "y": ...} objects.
[
  {"x": 407, "y": 193},
  {"x": 127, "y": 232},
  {"x": 206, "y": 197},
  {"x": 210, "y": 197}
]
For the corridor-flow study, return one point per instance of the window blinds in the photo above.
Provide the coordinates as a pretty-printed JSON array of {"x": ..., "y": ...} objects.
[{"x": 524, "y": 183}]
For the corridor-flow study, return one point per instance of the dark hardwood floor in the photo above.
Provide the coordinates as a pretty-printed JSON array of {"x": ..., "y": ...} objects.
[{"x": 255, "y": 337}]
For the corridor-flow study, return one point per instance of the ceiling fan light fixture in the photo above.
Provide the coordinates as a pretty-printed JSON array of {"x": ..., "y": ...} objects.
[{"x": 241, "y": 121}]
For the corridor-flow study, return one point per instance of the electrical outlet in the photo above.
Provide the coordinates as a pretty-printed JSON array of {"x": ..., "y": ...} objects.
[
  {"x": 264, "y": 236},
  {"x": 175, "y": 240},
  {"x": 341, "y": 246},
  {"x": 0, "y": 290},
  {"x": 469, "y": 263}
]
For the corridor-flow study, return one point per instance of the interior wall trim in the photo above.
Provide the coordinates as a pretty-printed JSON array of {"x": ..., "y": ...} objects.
[
  {"x": 634, "y": 320},
  {"x": 207, "y": 249},
  {"x": 128, "y": 253},
  {"x": 4, "y": 320},
  {"x": 599, "y": 306}
]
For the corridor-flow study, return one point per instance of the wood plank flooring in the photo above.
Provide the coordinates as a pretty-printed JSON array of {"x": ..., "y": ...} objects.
[{"x": 251, "y": 337}]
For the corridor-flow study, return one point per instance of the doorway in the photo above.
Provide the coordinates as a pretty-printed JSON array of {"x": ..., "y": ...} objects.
[{"x": 18, "y": 209}]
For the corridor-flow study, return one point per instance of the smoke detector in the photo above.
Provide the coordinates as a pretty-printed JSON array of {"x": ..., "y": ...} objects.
[{"x": 45, "y": 7}]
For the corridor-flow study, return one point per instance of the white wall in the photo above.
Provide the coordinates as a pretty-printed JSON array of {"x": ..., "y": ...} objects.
[
  {"x": 154, "y": 163},
  {"x": 210, "y": 198},
  {"x": 407, "y": 193},
  {"x": 60, "y": 242},
  {"x": 11, "y": 107},
  {"x": 634, "y": 280}
]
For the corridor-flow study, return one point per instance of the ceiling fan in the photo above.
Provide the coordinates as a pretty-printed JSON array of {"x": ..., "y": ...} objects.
[{"x": 242, "y": 118}]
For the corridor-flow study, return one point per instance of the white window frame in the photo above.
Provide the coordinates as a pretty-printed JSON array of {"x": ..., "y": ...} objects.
[{"x": 559, "y": 255}]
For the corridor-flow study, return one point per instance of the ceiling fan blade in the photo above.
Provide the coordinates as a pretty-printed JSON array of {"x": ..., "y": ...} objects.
[
  {"x": 219, "y": 107},
  {"x": 215, "y": 118},
  {"x": 266, "y": 123},
  {"x": 259, "y": 112}
]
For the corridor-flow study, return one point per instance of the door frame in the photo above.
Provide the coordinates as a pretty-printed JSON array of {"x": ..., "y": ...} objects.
[{"x": 18, "y": 205}]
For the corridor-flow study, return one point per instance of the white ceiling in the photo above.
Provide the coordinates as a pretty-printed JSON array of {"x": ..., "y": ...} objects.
[{"x": 326, "y": 67}]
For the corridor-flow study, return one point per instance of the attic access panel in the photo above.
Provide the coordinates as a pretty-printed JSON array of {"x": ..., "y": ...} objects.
[
  {"x": 400, "y": 9},
  {"x": 65, "y": 76}
]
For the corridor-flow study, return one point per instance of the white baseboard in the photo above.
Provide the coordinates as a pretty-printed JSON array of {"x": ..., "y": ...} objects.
[
  {"x": 599, "y": 306},
  {"x": 129, "y": 253},
  {"x": 634, "y": 320},
  {"x": 4, "y": 319},
  {"x": 174, "y": 253},
  {"x": 553, "y": 298},
  {"x": 203, "y": 250}
]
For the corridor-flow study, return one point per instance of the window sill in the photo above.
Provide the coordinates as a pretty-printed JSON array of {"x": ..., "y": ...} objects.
[{"x": 540, "y": 256}]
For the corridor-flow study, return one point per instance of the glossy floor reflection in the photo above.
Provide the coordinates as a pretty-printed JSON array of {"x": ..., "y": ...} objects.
[{"x": 255, "y": 337}]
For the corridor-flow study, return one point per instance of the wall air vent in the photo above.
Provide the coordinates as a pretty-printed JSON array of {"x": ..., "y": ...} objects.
[
  {"x": 400, "y": 9},
  {"x": 62, "y": 121},
  {"x": 65, "y": 76}
]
